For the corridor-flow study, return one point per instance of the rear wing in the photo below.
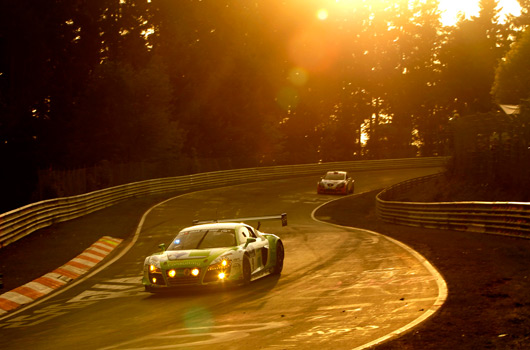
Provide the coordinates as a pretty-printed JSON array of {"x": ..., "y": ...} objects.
[{"x": 282, "y": 217}]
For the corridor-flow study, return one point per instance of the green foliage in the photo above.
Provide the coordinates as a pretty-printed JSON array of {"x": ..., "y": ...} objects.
[
  {"x": 512, "y": 80},
  {"x": 124, "y": 115},
  {"x": 470, "y": 56},
  {"x": 522, "y": 21},
  {"x": 259, "y": 82},
  {"x": 222, "y": 63},
  {"x": 492, "y": 151}
]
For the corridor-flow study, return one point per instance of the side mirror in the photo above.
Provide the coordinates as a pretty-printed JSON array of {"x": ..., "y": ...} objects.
[
  {"x": 250, "y": 240},
  {"x": 162, "y": 247}
]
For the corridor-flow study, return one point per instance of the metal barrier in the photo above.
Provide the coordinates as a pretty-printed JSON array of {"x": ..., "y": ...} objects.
[
  {"x": 20, "y": 222},
  {"x": 503, "y": 218}
]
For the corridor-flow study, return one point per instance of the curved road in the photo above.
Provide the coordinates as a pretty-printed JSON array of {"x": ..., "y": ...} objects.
[{"x": 340, "y": 288}]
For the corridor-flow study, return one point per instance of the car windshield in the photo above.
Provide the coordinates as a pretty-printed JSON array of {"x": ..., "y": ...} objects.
[
  {"x": 334, "y": 176},
  {"x": 203, "y": 239}
]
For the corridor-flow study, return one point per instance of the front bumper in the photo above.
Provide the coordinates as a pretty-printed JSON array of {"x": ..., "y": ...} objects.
[
  {"x": 160, "y": 280},
  {"x": 332, "y": 190}
]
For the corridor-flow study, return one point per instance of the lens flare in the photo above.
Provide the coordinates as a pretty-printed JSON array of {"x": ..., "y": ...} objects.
[
  {"x": 198, "y": 320},
  {"x": 322, "y": 14},
  {"x": 298, "y": 76},
  {"x": 312, "y": 49}
]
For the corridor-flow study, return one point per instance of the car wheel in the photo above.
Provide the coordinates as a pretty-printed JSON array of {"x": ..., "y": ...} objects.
[
  {"x": 280, "y": 255},
  {"x": 246, "y": 270}
]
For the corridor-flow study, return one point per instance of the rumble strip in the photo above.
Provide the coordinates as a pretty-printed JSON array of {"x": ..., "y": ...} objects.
[{"x": 45, "y": 284}]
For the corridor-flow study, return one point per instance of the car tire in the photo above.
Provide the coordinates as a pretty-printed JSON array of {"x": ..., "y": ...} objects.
[
  {"x": 246, "y": 271},
  {"x": 280, "y": 255}
]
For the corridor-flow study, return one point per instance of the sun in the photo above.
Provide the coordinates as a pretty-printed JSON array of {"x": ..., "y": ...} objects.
[{"x": 451, "y": 9}]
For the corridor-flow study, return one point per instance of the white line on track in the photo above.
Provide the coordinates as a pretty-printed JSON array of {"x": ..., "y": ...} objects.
[
  {"x": 100, "y": 268},
  {"x": 442, "y": 286}
]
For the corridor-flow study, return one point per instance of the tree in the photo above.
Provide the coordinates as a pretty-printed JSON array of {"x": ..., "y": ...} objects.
[
  {"x": 223, "y": 66},
  {"x": 522, "y": 21},
  {"x": 470, "y": 56},
  {"x": 512, "y": 78},
  {"x": 385, "y": 77},
  {"x": 124, "y": 116},
  {"x": 414, "y": 94},
  {"x": 27, "y": 33},
  {"x": 48, "y": 51}
]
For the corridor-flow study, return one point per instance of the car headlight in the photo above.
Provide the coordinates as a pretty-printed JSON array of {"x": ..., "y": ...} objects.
[
  {"x": 153, "y": 268},
  {"x": 223, "y": 265},
  {"x": 341, "y": 185}
]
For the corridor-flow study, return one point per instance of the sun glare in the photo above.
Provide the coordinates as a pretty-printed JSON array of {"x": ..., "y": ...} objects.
[
  {"x": 452, "y": 9},
  {"x": 322, "y": 14}
]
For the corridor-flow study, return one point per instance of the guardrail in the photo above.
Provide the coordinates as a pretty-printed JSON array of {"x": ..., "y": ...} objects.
[
  {"x": 503, "y": 218},
  {"x": 20, "y": 222}
]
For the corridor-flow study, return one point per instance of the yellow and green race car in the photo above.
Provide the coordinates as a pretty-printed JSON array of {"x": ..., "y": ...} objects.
[{"x": 215, "y": 252}]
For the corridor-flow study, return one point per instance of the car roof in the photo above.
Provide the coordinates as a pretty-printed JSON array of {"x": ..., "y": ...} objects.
[{"x": 336, "y": 172}]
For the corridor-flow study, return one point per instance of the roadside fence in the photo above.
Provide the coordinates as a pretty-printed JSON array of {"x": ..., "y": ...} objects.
[
  {"x": 20, "y": 222},
  {"x": 502, "y": 218}
]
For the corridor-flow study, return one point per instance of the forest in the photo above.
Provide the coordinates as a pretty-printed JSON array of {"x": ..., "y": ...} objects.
[{"x": 115, "y": 91}]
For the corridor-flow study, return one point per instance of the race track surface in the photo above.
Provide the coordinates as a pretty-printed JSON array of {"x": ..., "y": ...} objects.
[
  {"x": 488, "y": 277},
  {"x": 340, "y": 288}
]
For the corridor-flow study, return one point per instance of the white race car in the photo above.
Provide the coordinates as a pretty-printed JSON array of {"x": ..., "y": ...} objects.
[
  {"x": 215, "y": 253},
  {"x": 336, "y": 182}
]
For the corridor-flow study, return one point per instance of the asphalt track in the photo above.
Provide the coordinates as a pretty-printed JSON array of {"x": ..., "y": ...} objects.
[{"x": 341, "y": 288}]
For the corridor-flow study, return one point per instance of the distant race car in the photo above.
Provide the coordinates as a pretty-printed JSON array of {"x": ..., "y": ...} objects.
[
  {"x": 215, "y": 252},
  {"x": 336, "y": 182}
]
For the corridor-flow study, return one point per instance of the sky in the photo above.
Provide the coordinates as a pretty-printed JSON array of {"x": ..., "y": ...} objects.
[{"x": 451, "y": 8}]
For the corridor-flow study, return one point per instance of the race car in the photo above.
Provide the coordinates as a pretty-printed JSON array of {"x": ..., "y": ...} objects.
[
  {"x": 336, "y": 182},
  {"x": 215, "y": 252}
]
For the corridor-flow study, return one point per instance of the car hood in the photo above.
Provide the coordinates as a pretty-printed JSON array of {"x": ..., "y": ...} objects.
[{"x": 193, "y": 257}]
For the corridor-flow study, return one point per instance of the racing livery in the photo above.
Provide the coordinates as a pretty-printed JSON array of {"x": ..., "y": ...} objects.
[
  {"x": 336, "y": 182},
  {"x": 215, "y": 253}
]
